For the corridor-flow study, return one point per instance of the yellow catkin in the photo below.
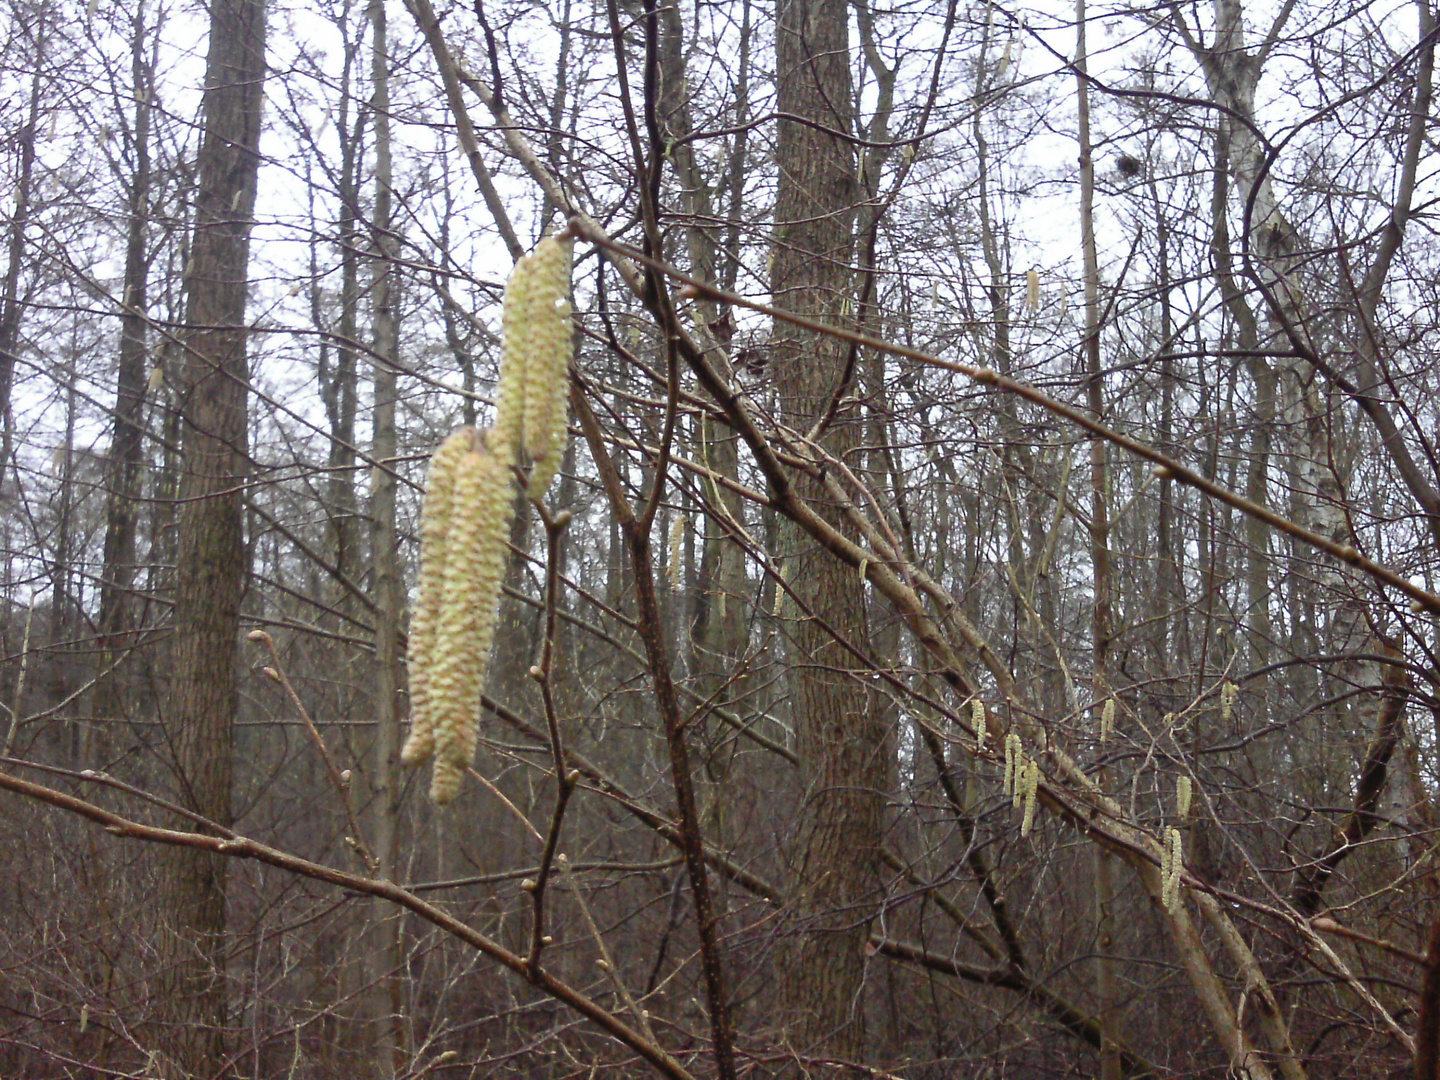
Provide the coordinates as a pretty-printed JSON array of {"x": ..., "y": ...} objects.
[
  {"x": 481, "y": 510},
  {"x": 534, "y": 375},
  {"x": 1228, "y": 693},
  {"x": 1184, "y": 790},
  {"x": 979, "y": 723},
  {"x": 1107, "y": 720},
  {"x": 1032, "y": 291},
  {"x": 1170, "y": 885},
  {"x": 509, "y": 429},
  {"x": 1012, "y": 753},
  {"x": 434, "y": 541},
  {"x": 446, "y": 777},
  {"x": 1020, "y": 782},
  {"x": 677, "y": 540},
  {"x": 1032, "y": 797},
  {"x": 1165, "y": 867}
]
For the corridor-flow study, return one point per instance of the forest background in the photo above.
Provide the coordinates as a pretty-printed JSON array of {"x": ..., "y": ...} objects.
[{"x": 984, "y": 624}]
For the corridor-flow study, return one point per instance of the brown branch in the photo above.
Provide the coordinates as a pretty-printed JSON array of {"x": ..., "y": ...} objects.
[
  {"x": 1070, "y": 1017},
  {"x": 565, "y": 777},
  {"x": 1311, "y": 881},
  {"x": 652, "y": 633},
  {"x": 1427, "y": 1022},
  {"x": 243, "y": 848},
  {"x": 1172, "y": 469}
]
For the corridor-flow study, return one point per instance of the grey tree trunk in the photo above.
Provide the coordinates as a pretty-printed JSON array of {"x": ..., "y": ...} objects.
[
  {"x": 384, "y": 952},
  {"x": 123, "y": 469},
  {"x": 10, "y": 306},
  {"x": 1101, "y": 611},
  {"x": 210, "y": 569},
  {"x": 839, "y": 737}
]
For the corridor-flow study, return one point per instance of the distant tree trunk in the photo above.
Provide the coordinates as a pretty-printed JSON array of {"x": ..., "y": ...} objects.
[
  {"x": 10, "y": 306},
  {"x": 338, "y": 384},
  {"x": 1101, "y": 621},
  {"x": 716, "y": 617},
  {"x": 384, "y": 953},
  {"x": 210, "y": 559},
  {"x": 62, "y": 596},
  {"x": 839, "y": 737},
  {"x": 123, "y": 469}
]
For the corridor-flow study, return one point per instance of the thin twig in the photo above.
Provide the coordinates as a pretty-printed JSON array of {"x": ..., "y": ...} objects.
[
  {"x": 565, "y": 777},
  {"x": 241, "y": 847},
  {"x": 1426, "y": 600},
  {"x": 340, "y": 781}
]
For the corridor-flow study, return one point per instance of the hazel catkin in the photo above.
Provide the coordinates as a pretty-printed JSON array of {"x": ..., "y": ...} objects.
[
  {"x": 1172, "y": 865},
  {"x": 474, "y": 573},
  {"x": 434, "y": 541},
  {"x": 1229, "y": 692},
  {"x": 534, "y": 375},
  {"x": 469, "y": 502},
  {"x": 1032, "y": 797}
]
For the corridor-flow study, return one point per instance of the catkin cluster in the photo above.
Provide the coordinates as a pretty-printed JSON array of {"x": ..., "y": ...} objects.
[
  {"x": 1022, "y": 781},
  {"x": 465, "y": 523},
  {"x": 1014, "y": 755}
]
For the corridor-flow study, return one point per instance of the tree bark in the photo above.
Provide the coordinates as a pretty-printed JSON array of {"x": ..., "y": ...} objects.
[
  {"x": 839, "y": 738},
  {"x": 1101, "y": 620},
  {"x": 210, "y": 571},
  {"x": 384, "y": 954},
  {"x": 11, "y": 307},
  {"x": 123, "y": 469}
]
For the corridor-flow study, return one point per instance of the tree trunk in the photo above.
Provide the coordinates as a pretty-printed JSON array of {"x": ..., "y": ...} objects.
[
  {"x": 210, "y": 558},
  {"x": 1101, "y": 628},
  {"x": 123, "y": 469},
  {"x": 839, "y": 737},
  {"x": 10, "y": 305},
  {"x": 338, "y": 384},
  {"x": 384, "y": 953}
]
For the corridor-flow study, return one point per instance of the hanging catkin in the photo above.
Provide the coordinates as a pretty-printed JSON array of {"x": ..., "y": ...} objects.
[
  {"x": 434, "y": 542},
  {"x": 483, "y": 503},
  {"x": 469, "y": 502},
  {"x": 534, "y": 374},
  {"x": 1171, "y": 866},
  {"x": 676, "y": 555},
  {"x": 1228, "y": 693},
  {"x": 1032, "y": 797},
  {"x": 978, "y": 722}
]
